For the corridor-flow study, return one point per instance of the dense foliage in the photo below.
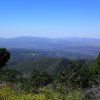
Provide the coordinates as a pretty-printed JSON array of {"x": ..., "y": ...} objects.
[
  {"x": 40, "y": 78},
  {"x": 4, "y": 57},
  {"x": 50, "y": 79},
  {"x": 79, "y": 75}
]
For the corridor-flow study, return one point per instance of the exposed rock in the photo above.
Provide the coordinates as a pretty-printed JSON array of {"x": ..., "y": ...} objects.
[{"x": 92, "y": 94}]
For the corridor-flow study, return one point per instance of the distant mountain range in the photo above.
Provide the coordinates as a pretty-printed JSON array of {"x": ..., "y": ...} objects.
[
  {"x": 81, "y": 46},
  {"x": 32, "y": 52},
  {"x": 47, "y": 43}
]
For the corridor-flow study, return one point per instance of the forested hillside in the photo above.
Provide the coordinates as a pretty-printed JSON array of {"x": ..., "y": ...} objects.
[{"x": 48, "y": 78}]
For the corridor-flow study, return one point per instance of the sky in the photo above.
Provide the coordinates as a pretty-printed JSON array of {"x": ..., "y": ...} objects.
[{"x": 50, "y": 18}]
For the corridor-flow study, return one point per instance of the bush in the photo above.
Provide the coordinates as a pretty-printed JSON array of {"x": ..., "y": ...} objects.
[
  {"x": 79, "y": 75},
  {"x": 40, "y": 78},
  {"x": 9, "y": 75}
]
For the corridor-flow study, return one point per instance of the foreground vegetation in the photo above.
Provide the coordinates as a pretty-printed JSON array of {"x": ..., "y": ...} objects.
[
  {"x": 6, "y": 93},
  {"x": 68, "y": 81}
]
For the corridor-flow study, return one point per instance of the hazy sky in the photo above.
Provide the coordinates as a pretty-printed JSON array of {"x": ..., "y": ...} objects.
[{"x": 50, "y": 18}]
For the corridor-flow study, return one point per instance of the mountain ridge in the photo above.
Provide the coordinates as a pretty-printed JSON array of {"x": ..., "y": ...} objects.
[
  {"x": 87, "y": 46},
  {"x": 25, "y": 42}
]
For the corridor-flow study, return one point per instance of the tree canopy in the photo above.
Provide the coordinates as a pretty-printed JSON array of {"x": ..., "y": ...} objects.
[
  {"x": 4, "y": 57},
  {"x": 40, "y": 78}
]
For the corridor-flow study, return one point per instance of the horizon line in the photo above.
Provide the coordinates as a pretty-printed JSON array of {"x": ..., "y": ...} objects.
[{"x": 49, "y": 37}]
